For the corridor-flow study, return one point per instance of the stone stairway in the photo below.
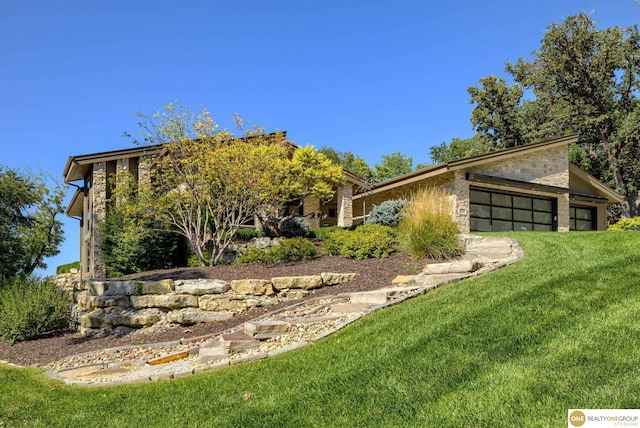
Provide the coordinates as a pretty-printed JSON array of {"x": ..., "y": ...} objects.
[{"x": 292, "y": 327}]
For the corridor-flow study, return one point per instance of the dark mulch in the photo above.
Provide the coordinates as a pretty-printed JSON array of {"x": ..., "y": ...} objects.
[{"x": 374, "y": 273}]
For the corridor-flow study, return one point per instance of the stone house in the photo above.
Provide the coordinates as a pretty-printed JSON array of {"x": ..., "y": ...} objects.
[{"x": 532, "y": 187}]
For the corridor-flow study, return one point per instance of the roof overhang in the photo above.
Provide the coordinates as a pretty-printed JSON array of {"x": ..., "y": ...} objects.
[
  {"x": 77, "y": 167},
  {"x": 517, "y": 184},
  {"x": 75, "y": 207},
  {"x": 602, "y": 191}
]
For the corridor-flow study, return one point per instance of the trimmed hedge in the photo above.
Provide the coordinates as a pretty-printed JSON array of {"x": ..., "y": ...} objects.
[
  {"x": 367, "y": 241},
  {"x": 288, "y": 250}
]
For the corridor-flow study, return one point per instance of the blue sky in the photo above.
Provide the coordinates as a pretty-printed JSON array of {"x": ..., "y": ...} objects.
[{"x": 371, "y": 77}]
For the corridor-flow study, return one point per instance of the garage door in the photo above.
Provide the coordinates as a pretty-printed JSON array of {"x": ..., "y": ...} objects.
[{"x": 500, "y": 211}]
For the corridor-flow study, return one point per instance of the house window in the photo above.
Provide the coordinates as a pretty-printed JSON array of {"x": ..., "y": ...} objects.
[
  {"x": 582, "y": 218},
  {"x": 500, "y": 211}
]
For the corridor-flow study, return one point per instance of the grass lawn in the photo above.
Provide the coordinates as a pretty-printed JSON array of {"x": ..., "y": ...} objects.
[{"x": 516, "y": 347}]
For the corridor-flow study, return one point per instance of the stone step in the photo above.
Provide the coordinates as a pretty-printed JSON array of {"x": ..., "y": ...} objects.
[
  {"x": 213, "y": 353},
  {"x": 237, "y": 342},
  {"x": 433, "y": 279},
  {"x": 377, "y": 297},
  {"x": 485, "y": 247},
  {"x": 457, "y": 266},
  {"x": 348, "y": 308},
  {"x": 265, "y": 329}
]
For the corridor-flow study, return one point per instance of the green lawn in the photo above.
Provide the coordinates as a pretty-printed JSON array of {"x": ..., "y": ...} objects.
[{"x": 516, "y": 347}]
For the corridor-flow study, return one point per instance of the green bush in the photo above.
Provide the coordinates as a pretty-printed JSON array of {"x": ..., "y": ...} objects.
[
  {"x": 67, "y": 268},
  {"x": 387, "y": 213},
  {"x": 293, "y": 249},
  {"x": 368, "y": 241},
  {"x": 322, "y": 233},
  {"x": 246, "y": 234},
  {"x": 31, "y": 306},
  {"x": 288, "y": 250},
  {"x": 297, "y": 226},
  {"x": 632, "y": 223},
  {"x": 427, "y": 228}
]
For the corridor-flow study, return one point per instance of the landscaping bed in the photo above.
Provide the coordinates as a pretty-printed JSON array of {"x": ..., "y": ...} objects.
[{"x": 373, "y": 273}]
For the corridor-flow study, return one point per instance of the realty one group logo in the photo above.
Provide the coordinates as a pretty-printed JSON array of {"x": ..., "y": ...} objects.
[{"x": 598, "y": 418}]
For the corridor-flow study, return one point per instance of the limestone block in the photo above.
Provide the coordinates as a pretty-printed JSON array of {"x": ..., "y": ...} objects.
[
  {"x": 137, "y": 319},
  {"x": 265, "y": 329},
  {"x": 329, "y": 278},
  {"x": 348, "y": 308},
  {"x": 234, "y": 343},
  {"x": 208, "y": 355},
  {"x": 237, "y": 303},
  {"x": 167, "y": 301},
  {"x": 457, "y": 266},
  {"x": 293, "y": 294},
  {"x": 402, "y": 278},
  {"x": 95, "y": 319},
  {"x": 125, "y": 288},
  {"x": 98, "y": 288},
  {"x": 261, "y": 243},
  {"x": 487, "y": 247},
  {"x": 368, "y": 298},
  {"x": 83, "y": 298},
  {"x": 255, "y": 287},
  {"x": 198, "y": 287},
  {"x": 188, "y": 316},
  {"x": 158, "y": 287},
  {"x": 109, "y": 301},
  {"x": 308, "y": 282}
]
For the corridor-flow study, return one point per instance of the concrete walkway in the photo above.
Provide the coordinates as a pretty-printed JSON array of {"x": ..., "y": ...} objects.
[{"x": 276, "y": 332}]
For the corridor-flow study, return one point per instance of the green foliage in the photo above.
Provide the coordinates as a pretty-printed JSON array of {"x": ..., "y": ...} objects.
[
  {"x": 350, "y": 162},
  {"x": 367, "y": 241},
  {"x": 458, "y": 149},
  {"x": 322, "y": 233},
  {"x": 133, "y": 240},
  {"x": 30, "y": 307},
  {"x": 288, "y": 250},
  {"x": 246, "y": 234},
  {"x": 387, "y": 213},
  {"x": 29, "y": 228},
  {"x": 581, "y": 80},
  {"x": 393, "y": 165},
  {"x": 632, "y": 223},
  {"x": 66, "y": 268},
  {"x": 426, "y": 228}
]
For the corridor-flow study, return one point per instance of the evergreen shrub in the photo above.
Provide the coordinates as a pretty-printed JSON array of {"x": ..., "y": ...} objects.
[
  {"x": 387, "y": 213},
  {"x": 632, "y": 223}
]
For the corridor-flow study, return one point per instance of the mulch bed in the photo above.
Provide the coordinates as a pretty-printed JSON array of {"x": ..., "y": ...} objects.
[{"x": 374, "y": 273}]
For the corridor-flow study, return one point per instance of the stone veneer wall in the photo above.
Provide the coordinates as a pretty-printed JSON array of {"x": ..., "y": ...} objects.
[
  {"x": 345, "y": 205},
  {"x": 98, "y": 212}
]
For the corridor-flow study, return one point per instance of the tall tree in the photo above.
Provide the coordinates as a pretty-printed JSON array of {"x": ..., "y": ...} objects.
[
  {"x": 350, "y": 162},
  {"x": 458, "y": 149},
  {"x": 29, "y": 228},
  {"x": 582, "y": 80},
  {"x": 392, "y": 166}
]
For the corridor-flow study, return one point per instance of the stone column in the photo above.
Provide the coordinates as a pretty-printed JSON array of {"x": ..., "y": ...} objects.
[
  {"x": 460, "y": 202},
  {"x": 345, "y": 205},
  {"x": 563, "y": 213},
  {"x": 97, "y": 267},
  {"x": 311, "y": 206}
]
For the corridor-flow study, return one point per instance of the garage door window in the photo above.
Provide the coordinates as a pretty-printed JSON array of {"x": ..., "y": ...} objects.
[
  {"x": 582, "y": 218},
  {"x": 494, "y": 211}
]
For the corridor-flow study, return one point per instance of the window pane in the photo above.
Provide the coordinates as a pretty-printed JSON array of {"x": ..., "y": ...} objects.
[
  {"x": 479, "y": 225},
  {"x": 502, "y": 225},
  {"x": 480, "y": 211},
  {"x": 502, "y": 213},
  {"x": 583, "y": 213},
  {"x": 542, "y": 205},
  {"x": 584, "y": 225},
  {"x": 544, "y": 218},
  {"x": 522, "y": 226},
  {"x": 572, "y": 212},
  {"x": 521, "y": 202},
  {"x": 480, "y": 197},
  {"x": 572, "y": 224},
  {"x": 501, "y": 200},
  {"x": 520, "y": 215},
  {"x": 542, "y": 227}
]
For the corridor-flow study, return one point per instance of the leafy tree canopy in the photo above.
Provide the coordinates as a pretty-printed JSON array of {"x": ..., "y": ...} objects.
[
  {"x": 29, "y": 228},
  {"x": 393, "y": 165},
  {"x": 581, "y": 80}
]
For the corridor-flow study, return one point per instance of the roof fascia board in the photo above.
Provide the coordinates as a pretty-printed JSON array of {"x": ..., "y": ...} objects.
[{"x": 612, "y": 196}]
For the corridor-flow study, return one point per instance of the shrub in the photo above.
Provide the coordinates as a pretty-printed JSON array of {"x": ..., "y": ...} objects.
[
  {"x": 427, "y": 228},
  {"x": 387, "y": 213},
  {"x": 322, "y": 233},
  {"x": 288, "y": 250},
  {"x": 632, "y": 223},
  {"x": 29, "y": 307},
  {"x": 293, "y": 249},
  {"x": 246, "y": 234},
  {"x": 368, "y": 241},
  {"x": 67, "y": 268}
]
